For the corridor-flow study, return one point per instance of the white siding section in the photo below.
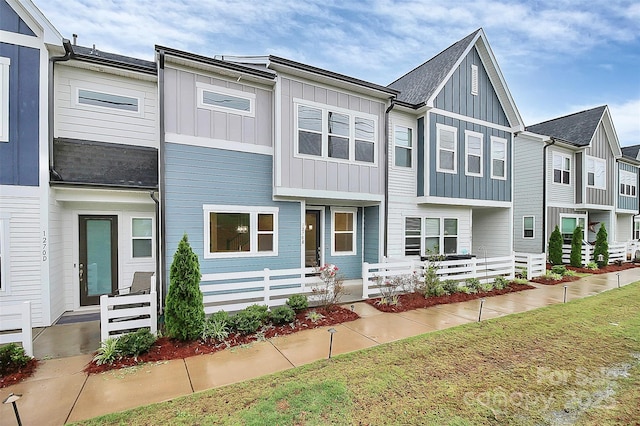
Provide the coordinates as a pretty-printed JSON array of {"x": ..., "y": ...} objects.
[
  {"x": 105, "y": 124},
  {"x": 527, "y": 194},
  {"x": 56, "y": 236},
  {"x": 21, "y": 207},
  {"x": 624, "y": 227},
  {"x": 559, "y": 193},
  {"x": 491, "y": 232}
]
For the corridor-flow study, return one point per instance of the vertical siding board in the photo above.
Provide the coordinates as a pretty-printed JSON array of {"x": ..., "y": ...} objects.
[{"x": 187, "y": 99}]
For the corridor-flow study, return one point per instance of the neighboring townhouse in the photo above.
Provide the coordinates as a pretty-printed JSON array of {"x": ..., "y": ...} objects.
[
  {"x": 630, "y": 156},
  {"x": 270, "y": 163},
  {"x": 103, "y": 176},
  {"x": 27, "y": 42},
  {"x": 450, "y": 160},
  {"x": 570, "y": 172}
]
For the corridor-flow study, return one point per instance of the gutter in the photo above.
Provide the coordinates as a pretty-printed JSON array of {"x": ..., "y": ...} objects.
[
  {"x": 68, "y": 52},
  {"x": 386, "y": 176},
  {"x": 544, "y": 193},
  {"x": 159, "y": 288},
  {"x": 162, "y": 264}
]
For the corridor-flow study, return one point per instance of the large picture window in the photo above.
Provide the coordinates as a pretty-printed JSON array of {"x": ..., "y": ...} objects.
[
  {"x": 596, "y": 173},
  {"x": 236, "y": 231},
  {"x": 447, "y": 142},
  {"x": 561, "y": 169},
  {"x": 628, "y": 183},
  {"x": 498, "y": 158},
  {"x": 568, "y": 224},
  {"x": 430, "y": 235},
  {"x": 141, "y": 237},
  {"x": 343, "y": 233},
  {"x": 473, "y": 148},
  {"x": 4, "y": 99},
  {"x": 334, "y": 133}
]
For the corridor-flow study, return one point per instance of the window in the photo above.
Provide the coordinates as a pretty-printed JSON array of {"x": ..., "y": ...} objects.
[
  {"x": 437, "y": 236},
  {"x": 528, "y": 226},
  {"x": 447, "y": 148},
  {"x": 237, "y": 231},
  {"x": 334, "y": 133},
  {"x": 403, "y": 140},
  {"x": 141, "y": 237},
  {"x": 561, "y": 169},
  {"x": 474, "y": 80},
  {"x": 568, "y": 224},
  {"x": 498, "y": 158},
  {"x": 344, "y": 232},
  {"x": 636, "y": 230},
  {"x": 108, "y": 100},
  {"x": 628, "y": 183},
  {"x": 220, "y": 98},
  {"x": 4, "y": 99},
  {"x": 596, "y": 173},
  {"x": 473, "y": 148}
]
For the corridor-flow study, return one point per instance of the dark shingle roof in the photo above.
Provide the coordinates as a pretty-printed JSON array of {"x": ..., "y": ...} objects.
[
  {"x": 630, "y": 151},
  {"x": 89, "y": 54},
  {"x": 106, "y": 164},
  {"x": 577, "y": 128},
  {"x": 420, "y": 84}
]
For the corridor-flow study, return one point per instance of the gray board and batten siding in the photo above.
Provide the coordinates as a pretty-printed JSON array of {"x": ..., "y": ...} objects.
[
  {"x": 601, "y": 148},
  {"x": 325, "y": 174},
  {"x": 527, "y": 193}
]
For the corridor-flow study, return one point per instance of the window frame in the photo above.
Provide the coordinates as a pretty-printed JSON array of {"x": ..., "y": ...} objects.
[
  {"x": 5, "y": 64},
  {"x": 563, "y": 156},
  {"x": 137, "y": 96},
  {"x": 253, "y": 212},
  {"x": 201, "y": 88},
  {"x": 467, "y": 134},
  {"x": 423, "y": 234},
  {"x": 596, "y": 161},
  {"x": 503, "y": 141},
  {"x": 354, "y": 231},
  {"x": 353, "y": 139},
  {"x": 443, "y": 127},
  {"x": 625, "y": 177},
  {"x": 417, "y": 236},
  {"x": 636, "y": 230},
  {"x": 533, "y": 227},
  {"x": 409, "y": 148},
  {"x": 578, "y": 218},
  {"x": 151, "y": 238}
]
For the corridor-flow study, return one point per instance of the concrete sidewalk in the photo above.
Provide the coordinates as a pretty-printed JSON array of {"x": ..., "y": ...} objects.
[{"x": 60, "y": 392}]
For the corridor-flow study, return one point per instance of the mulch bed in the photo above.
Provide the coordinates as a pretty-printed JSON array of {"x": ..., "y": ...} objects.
[
  {"x": 412, "y": 301},
  {"x": 547, "y": 281},
  {"x": 19, "y": 375},
  {"x": 605, "y": 269},
  {"x": 166, "y": 349}
]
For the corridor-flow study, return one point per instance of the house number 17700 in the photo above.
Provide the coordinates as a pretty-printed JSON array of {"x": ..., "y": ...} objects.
[{"x": 44, "y": 246}]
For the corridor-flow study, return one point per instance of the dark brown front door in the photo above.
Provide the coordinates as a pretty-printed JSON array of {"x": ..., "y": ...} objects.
[
  {"x": 98, "y": 263},
  {"x": 312, "y": 239}
]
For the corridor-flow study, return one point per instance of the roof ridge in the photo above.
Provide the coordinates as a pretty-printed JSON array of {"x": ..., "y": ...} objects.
[{"x": 568, "y": 115}]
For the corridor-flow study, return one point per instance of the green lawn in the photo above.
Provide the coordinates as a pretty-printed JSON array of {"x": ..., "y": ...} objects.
[{"x": 577, "y": 363}]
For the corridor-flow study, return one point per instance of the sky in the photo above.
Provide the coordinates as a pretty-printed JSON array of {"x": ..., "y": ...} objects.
[{"x": 557, "y": 56}]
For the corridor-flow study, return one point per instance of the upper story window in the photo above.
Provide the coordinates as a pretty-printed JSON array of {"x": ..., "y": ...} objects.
[
  {"x": 628, "y": 183},
  {"x": 329, "y": 132},
  {"x": 498, "y": 158},
  {"x": 141, "y": 237},
  {"x": 596, "y": 173},
  {"x": 343, "y": 236},
  {"x": 225, "y": 100},
  {"x": 240, "y": 231},
  {"x": 561, "y": 168},
  {"x": 474, "y": 79},
  {"x": 108, "y": 100},
  {"x": 473, "y": 147},
  {"x": 403, "y": 146},
  {"x": 4, "y": 99},
  {"x": 447, "y": 143}
]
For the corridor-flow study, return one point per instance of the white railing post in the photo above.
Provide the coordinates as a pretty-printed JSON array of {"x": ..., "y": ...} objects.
[
  {"x": 474, "y": 267},
  {"x": 154, "y": 311},
  {"x": 104, "y": 318},
  {"x": 365, "y": 280},
  {"x": 529, "y": 266},
  {"x": 27, "y": 332},
  {"x": 266, "y": 286}
]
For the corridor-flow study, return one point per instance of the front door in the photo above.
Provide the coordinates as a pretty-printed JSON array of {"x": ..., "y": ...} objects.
[
  {"x": 98, "y": 263},
  {"x": 312, "y": 241}
]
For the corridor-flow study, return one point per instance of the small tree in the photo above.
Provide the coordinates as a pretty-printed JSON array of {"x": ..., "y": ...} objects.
[
  {"x": 602, "y": 247},
  {"x": 576, "y": 248},
  {"x": 184, "y": 312},
  {"x": 555, "y": 247}
]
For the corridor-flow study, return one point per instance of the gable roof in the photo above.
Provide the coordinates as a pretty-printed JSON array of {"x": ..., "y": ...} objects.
[
  {"x": 577, "y": 128},
  {"x": 44, "y": 28},
  {"x": 631, "y": 152},
  {"x": 420, "y": 86}
]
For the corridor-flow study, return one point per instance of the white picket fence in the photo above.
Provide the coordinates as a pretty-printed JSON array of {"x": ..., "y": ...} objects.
[
  {"x": 617, "y": 252},
  {"x": 234, "y": 291},
  {"x": 123, "y": 314},
  {"x": 530, "y": 265},
  {"x": 17, "y": 317}
]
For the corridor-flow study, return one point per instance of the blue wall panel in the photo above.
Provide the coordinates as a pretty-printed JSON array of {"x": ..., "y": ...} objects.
[
  {"x": 349, "y": 266},
  {"x": 196, "y": 176},
  {"x": 11, "y": 22},
  {"x": 19, "y": 156}
]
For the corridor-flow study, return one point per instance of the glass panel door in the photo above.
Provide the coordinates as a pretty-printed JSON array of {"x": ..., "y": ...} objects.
[
  {"x": 312, "y": 240},
  {"x": 98, "y": 266}
]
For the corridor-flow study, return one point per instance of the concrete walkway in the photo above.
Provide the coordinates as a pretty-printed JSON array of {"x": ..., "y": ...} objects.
[{"x": 60, "y": 392}]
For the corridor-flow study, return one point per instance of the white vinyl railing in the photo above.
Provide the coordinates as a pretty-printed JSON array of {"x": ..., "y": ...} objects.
[
  {"x": 123, "y": 314},
  {"x": 17, "y": 317},
  {"x": 586, "y": 250},
  {"x": 531, "y": 265},
  {"x": 234, "y": 291},
  {"x": 617, "y": 252}
]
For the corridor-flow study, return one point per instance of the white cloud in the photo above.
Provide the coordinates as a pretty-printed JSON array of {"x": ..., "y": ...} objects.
[{"x": 626, "y": 119}]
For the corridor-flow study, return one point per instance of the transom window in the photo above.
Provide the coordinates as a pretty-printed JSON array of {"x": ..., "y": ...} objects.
[
  {"x": 628, "y": 183},
  {"x": 4, "y": 99},
  {"x": 561, "y": 169},
  {"x": 225, "y": 100},
  {"x": 343, "y": 233},
  {"x": 236, "y": 231},
  {"x": 430, "y": 235},
  {"x": 473, "y": 147},
  {"x": 447, "y": 148},
  {"x": 108, "y": 100},
  {"x": 596, "y": 173},
  {"x": 498, "y": 158},
  {"x": 528, "y": 226},
  {"x": 141, "y": 237},
  {"x": 403, "y": 141},
  {"x": 334, "y": 133}
]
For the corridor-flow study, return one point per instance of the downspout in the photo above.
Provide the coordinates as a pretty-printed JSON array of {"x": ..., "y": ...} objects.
[
  {"x": 544, "y": 194},
  {"x": 68, "y": 52},
  {"x": 161, "y": 183},
  {"x": 386, "y": 176},
  {"x": 158, "y": 281}
]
